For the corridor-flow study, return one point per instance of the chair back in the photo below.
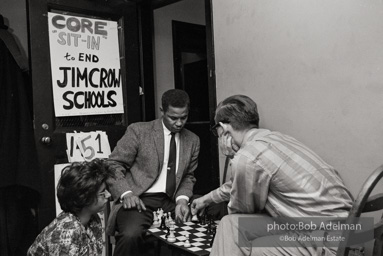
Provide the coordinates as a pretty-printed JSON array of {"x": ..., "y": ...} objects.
[{"x": 365, "y": 202}]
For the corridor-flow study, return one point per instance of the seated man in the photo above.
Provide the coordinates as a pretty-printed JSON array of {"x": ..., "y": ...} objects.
[
  {"x": 81, "y": 192},
  {"x": 154, "y": 163},
  {"x": 273, "y": 174}
]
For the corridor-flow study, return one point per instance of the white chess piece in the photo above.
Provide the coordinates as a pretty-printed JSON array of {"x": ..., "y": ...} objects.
[
  {"x": 166, "y": 220},
  {"x": 159, "y": 214},
  {"x": 155, "y": 219},
  {"x": 195, "y": 218},
  {"x": 187, "y": 243},
  {"x": 171, "y": 237}
]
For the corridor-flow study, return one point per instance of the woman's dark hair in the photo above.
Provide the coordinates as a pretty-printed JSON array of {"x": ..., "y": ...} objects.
[
  {"x": 80, "y": 182},
  {"x": 238, "y": 110},
  {"x": 175, "y": 98}
]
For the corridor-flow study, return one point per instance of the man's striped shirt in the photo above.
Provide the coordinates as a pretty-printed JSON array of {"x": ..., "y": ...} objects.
[{"x": 276, "y": 172}]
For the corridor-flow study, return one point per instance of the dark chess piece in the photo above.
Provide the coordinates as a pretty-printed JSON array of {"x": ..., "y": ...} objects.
[
  {"x": 203, "y": 219},
  {"x": 209, "y": 223},
  {"x": 214, "y": 230},
  {"x": 211, "y": 220},
  {"x": 200, "y": 219},
  {"x": 163, "y": 224},
  {"x": 208, "y": 229}
]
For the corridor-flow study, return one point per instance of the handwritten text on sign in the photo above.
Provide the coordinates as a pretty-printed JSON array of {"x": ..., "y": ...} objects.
[
  {"x": 85, "y": 64},
  {"x": 86, "y": 146}
]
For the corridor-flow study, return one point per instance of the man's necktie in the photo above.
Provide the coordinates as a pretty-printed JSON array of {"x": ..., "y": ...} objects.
[{"x": 171, "y": 175}]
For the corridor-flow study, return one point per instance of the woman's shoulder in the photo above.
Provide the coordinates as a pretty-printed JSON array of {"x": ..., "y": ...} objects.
[
  {"x": 65, "y": 226},
  {"x": 64, "y": 229},
  {"x": 67, "y": 220}
]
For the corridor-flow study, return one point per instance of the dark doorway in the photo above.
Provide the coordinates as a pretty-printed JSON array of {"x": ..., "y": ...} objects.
[{"x": 191, "y": 75}]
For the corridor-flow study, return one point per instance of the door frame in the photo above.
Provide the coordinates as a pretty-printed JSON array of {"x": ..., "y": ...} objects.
[
  {"x": 145, "y": 100},
  {"x": 211, "y": 81},
  {"x": 147, "y": 26},
  {"x": 178, "y": 77},
  {"x": 44, "y": 117}
]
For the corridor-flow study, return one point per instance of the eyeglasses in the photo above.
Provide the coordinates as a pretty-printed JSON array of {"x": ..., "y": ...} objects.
[
  {"x": 105, "y": 194},
  {"x": 213, "y": 129}
]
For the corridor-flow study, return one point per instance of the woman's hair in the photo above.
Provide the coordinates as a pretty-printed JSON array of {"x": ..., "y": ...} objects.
[
  {"x": 175, "y": 98},
  {"x": 238, "y": 110},
  {"x": 80, "y": 182}
]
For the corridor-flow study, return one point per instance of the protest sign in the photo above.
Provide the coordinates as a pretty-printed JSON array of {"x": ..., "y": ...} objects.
[{"x": 85, "y": 65}]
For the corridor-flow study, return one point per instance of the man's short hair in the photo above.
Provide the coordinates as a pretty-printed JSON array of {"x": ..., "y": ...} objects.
[
  {"x": 238, "y": 110},
  {"x": 175, "y": 98},
  {"x": 80, "y": 182}
]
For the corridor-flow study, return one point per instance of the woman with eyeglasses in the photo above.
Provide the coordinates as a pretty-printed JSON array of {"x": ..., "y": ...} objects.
[{"x": 77, "y": 230}]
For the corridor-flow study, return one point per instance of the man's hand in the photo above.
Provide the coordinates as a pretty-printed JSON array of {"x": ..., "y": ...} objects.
[
  {"x": 198, "y": 206},
  {"x": 227, "y": 146},
  {"x": 182, "y": 211},
  {"x": 132, "y": 201}
]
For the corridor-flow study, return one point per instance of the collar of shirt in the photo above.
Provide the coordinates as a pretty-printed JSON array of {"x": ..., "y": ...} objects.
[
  {"x": 254, "y": 134},
  {"x": 167, "y": 132},
  {"x": 167, "y": 138}
]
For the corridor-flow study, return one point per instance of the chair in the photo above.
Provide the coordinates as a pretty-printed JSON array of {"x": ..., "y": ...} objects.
[{"x": 366, "y": 203}]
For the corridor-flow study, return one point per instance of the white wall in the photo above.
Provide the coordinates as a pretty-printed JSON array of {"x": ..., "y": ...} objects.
[
  {"x": 191, "y": 11},
  {"x": 315, "y": 68}
]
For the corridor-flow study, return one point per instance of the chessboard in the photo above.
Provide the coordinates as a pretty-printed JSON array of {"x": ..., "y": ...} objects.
[{"x": 199, "y": 238}]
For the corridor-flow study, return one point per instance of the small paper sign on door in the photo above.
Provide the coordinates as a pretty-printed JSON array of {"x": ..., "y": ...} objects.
[{"x": 86, "y": 146}]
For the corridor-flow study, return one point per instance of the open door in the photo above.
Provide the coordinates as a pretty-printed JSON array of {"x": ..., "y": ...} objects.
[
  {"x": 77, "y": 17},
  {"x": 193, "y": 73}
]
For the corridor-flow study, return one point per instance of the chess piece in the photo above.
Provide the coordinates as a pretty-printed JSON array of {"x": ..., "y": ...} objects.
[
  {"x": 163, "y": 225},
  {"x": 195, "y": 218},
  {"x": 210, "y": 218},
  {"x": 155, "y": 220},
  {"x": 160, "y": 212},
  {"x": 155, "y": 216},
  {"x": 170, "y": 217},
  {"x": 209, "y": 228},
  {"x": 210, "y": 224},
  {"x": 214, "y": 230},
  {"x": 203, "y": 220},
  {"x": 171, "y": 238},
  {"x": 167, "y": 232},
  {"x": 187, "y": 243},
  {"x": 166, "y": 219}
]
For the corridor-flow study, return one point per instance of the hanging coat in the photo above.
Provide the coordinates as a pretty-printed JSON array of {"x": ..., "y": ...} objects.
[{"x": 18, "y": 156}]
